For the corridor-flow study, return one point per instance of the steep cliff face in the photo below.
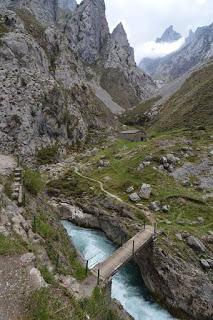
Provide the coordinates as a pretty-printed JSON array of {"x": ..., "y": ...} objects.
[
  {"x": 198, "y": 48},
  {"x": 45, "y": 98},
  {"x": 120, "y": 70},
  {"x": 50, "y": 51},
  {"x": 87, "y": 30},
  {"x": 109, "y": 55},
  {"x": 180, "y": 285}
]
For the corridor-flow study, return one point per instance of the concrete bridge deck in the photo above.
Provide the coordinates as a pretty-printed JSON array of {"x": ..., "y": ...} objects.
[{"x": 106, "y": 269}]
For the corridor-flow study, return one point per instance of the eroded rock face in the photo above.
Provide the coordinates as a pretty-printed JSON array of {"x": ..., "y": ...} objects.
[
  {"x": 45, "y": 98},
  {"x": 120, "y": 68},
  {"x": 44, "y": 10},
  {"x": 88, "y": 34},
  {"x": 67, "y": 4},
  {"x": 184, "y": 288},
  {"x": 87, "y": 30}
]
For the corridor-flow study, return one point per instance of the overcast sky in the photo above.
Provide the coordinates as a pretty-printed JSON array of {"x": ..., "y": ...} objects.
[{"x": 145, "y": 20}]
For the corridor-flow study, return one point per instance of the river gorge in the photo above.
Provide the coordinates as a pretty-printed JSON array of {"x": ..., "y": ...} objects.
[{"x": 127, "y": 285}]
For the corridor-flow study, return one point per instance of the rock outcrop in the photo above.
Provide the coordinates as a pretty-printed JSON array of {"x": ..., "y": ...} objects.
[
  {"x": 180, "y": 285},
  {"x": 87, "y": 30}
]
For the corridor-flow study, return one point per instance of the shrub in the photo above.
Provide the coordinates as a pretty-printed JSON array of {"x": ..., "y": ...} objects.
[
  {"x": 33, "y": 182},
  {"x": 47, "y": 155}
]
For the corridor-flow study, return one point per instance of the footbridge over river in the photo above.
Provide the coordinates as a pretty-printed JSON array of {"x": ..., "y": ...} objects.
[{"x": 106, "y": 269}]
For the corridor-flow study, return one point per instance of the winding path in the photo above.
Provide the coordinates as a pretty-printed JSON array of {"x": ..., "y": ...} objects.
[{"x": 146, "y": 211}]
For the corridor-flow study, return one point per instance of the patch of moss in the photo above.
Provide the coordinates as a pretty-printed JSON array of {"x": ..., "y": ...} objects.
[{"x": 69, "y": 185}]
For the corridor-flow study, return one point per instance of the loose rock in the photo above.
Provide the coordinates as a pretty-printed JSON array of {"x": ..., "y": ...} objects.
[
  {"x": 204, "y": 264},
  {"x": 155, "y": 206},
  {"x": 195, "y": 244},
  {"x": 134, "y": 197}
]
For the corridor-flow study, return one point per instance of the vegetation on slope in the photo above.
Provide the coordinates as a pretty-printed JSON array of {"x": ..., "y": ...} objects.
[
  {"x": 192, "y": 105},
  {"x": 186, "y": 202},
  {"x": 135, "y": 116},
  {"x": 122, "y": 93},
  {"x": 54, "y": 303}
]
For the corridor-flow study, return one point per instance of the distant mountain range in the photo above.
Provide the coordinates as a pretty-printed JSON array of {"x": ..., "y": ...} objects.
[{"x": 197, "y": 49}]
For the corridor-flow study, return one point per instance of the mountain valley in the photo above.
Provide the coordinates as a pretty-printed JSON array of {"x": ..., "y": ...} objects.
[{"x": 88, "y": 138}]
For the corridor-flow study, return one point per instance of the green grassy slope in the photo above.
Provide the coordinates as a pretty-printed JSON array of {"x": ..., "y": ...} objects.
[
  {"x": 135, "y": 116},
  {"x": 192, "y": 105}
]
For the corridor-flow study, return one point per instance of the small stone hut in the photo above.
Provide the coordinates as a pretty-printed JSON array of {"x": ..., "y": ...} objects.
[{"x": 133, "y": 135}]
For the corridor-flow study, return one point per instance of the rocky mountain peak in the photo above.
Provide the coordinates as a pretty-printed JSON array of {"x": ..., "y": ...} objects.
[
  {"x": 119, "y": 35},
  {"x": 169, "y": 35}
]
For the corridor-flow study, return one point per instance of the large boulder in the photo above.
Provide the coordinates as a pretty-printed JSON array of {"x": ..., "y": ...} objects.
[{"x": 145, "y": 191}]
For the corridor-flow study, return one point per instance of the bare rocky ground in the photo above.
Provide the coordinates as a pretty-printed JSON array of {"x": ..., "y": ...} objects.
[
  {"x": 7, "y": 164},
  {"x": 18, "y": 279}
]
